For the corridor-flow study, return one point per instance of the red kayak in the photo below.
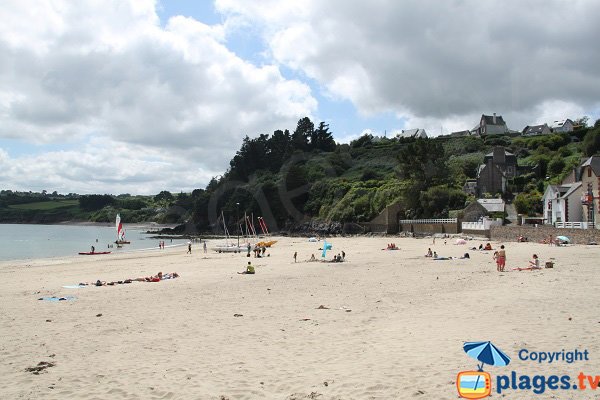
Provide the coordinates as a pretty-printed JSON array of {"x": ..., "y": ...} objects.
[{"x": 89, "y": 253}]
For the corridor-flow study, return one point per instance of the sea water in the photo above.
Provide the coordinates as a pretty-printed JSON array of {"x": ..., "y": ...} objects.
[{"x": 24, "y": 241}]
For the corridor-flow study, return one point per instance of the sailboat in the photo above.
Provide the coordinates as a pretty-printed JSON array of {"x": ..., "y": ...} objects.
[
  {"x": 120, "y": 231},
  {"x": 227, "y": 247}
]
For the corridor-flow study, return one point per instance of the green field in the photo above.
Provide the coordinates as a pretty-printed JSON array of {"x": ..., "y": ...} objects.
[{"x": 46, "y": 205}]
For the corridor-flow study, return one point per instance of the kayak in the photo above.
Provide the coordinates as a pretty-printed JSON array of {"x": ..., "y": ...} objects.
[{"x": 89, "y": 253}]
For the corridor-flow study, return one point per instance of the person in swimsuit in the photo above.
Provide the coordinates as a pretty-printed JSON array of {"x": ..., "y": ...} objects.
[{"x": 501, "y": 259}]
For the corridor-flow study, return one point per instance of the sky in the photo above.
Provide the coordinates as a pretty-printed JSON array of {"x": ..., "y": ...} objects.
[{"x": 140, "y": 96}]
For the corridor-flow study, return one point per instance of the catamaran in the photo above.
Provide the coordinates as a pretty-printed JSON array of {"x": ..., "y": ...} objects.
[
  {"x": 227, "y": 247},
  {"x": 120, "y": 231}
]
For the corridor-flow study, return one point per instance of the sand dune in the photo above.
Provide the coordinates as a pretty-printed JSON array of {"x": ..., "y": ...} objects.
[{"x": 391, "y": 325}]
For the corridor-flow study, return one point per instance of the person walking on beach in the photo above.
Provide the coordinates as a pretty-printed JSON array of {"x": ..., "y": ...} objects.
[
  {"x": 204, "y": 246},
  {"x": 189, "y": 248},
  {"x": 295, "y": 255},
  {"x": 501, "y": 259}
]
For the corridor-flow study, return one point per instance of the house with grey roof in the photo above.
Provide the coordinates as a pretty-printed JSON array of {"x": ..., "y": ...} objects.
[
  {"x": 590, "y": 180},
  {"x": 562, "y": 203},
  {"x": 565, "y": 125},
  {"x": 412, "y": 133},
  {"x": 498, "y": 166},
  {"x": 534, "y": 130},
  {"x": 490, "y": 125}
]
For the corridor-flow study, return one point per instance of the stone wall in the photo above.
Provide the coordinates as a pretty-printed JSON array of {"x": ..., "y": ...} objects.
[
  {"x": 541, "y": 232},
  {"x": 477, "y": 232},
  {"x": 430, "y": 228}
]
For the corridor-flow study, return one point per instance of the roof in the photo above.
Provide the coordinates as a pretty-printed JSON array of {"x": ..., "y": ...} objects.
[
  {"x": 492, "y": 205},
  {"x": 506, "y": 153},
  {"x": 489, "y": 120},
  {"x": 563, "y": 191},
  {"x": 409, "y": 133},
  {"x": 535, "y": 129},
  {"x": 561, "y": 123},
  {"x": 461, "y": 133},
  {"x": 594, "y": 162}
]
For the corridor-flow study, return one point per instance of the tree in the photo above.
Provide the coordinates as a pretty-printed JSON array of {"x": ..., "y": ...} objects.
[
  {"x": 95, "y": 202},
  {"x": 556, "y": 166},
  {"x": 279, "y": 149},
  {"x": 164, "y": 198},
  {"x": 424, "y": 161},
  {"x": 321, "y": 138},
  {"x": 591, "y": 141},
  {"x": 304, "y": 130}
]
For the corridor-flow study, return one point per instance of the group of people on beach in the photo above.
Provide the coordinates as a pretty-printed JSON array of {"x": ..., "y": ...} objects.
[{"x": 152, "y": 278}]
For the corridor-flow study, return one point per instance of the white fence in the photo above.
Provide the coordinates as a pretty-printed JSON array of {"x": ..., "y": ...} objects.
[
  {"x": 575, "y": 225},
  {"x": 484, "y": 225},
  {"x": 429, "y": 221}
]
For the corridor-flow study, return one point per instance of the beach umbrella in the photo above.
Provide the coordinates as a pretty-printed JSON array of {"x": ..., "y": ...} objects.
[
  {"x": 564, "y": 239},
  {"x": 326, "y": 246},
  {"x": 324, "y": 253},
  {"x": 487, "y": 353}
]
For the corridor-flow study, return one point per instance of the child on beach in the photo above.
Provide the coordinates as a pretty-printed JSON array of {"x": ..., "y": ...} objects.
[{"x": 535, "y": 263}]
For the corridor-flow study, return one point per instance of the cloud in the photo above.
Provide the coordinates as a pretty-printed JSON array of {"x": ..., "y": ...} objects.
[
  {"x": 443, "y": 62},
  {"x": 101, "y": 165},
  {"x": 110, "y": 70}
]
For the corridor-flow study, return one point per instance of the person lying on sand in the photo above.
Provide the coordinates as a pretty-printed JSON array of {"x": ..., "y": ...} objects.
[{"x": 158, "y": 277}]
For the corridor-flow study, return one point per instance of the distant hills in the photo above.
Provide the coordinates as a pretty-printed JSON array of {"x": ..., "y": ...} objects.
[{"x": 290, "y": 178}]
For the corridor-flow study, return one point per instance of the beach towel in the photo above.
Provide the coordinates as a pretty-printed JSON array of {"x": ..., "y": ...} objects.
[
  {"x": 54, "y": 298},
  {"x": 74, "y": 286}
]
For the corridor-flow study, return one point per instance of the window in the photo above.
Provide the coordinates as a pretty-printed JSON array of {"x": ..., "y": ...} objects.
[{"x": 589, "y": 169}]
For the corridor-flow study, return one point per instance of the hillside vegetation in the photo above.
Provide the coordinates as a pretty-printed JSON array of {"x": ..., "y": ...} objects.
[{"x": 291, "y": 178}]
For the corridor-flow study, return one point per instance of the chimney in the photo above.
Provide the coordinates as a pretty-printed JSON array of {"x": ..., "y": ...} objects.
[{"x": 494, "y": 119}]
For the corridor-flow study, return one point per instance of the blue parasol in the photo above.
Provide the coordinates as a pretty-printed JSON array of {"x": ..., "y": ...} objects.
[
  {"x": 563, "y": 239},
  {"x": 487, "y": 353},
  {"x": 326, "y": 246}
]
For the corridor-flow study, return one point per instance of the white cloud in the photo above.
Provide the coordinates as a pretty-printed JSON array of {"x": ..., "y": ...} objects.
[
  {"x": 108, "y": 69},
  {"x": 443, "y": 62}
]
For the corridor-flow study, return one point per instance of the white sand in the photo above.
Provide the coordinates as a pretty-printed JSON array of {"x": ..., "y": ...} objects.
[{"x": 402, "y": 338}]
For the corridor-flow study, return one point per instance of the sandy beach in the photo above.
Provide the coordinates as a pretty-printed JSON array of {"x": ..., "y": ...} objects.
[{"x": 381, "y": 325}]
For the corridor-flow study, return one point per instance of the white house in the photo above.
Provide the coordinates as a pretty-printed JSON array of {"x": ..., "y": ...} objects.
[
  {"x": 412, "y": 133},
  {"x": 565, "y": 125},
  {"x": 562, "y": 203}
]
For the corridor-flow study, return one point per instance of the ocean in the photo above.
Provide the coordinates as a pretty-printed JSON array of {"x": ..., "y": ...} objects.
[{"x": 24, "y": 241}]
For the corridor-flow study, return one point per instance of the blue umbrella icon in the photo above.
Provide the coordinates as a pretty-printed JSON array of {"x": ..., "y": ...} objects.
[{"x": 487, "y": 353}]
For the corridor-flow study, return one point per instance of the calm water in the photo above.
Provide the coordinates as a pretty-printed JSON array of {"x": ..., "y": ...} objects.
[{"x": 40, "y": 241}]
